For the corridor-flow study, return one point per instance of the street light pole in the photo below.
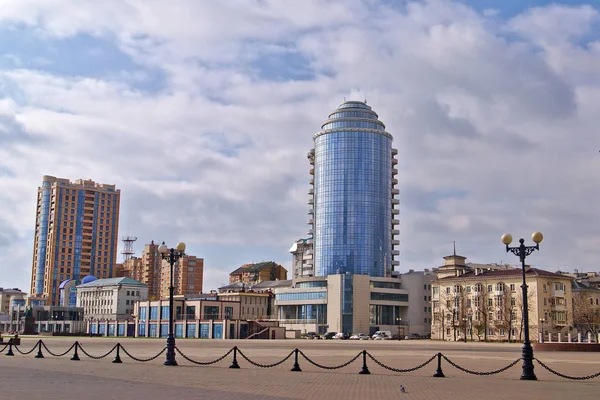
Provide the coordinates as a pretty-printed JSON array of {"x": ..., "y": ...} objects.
[
  {"x": 465, "y": 322},
  {"x": 171, "y": 255},
  {"x": 542, "y": 320},
  {"x": 522, "y": 252}
]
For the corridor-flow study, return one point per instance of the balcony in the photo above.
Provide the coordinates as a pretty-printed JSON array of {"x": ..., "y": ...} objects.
[
  {"x": 395, "y": 262},
  {"x": 395, "y": 192},
  {"x": 311, "y": 232},
  {"x": 394, "y": 152},
  {"x": 311, "y": 191},
  {"x": 311, "y": 211},
  {"x": 311, "y": 201},
  {"x": 395, "y": 232},
  {"x": 312, "y": 171},
  {"x": 312, "y": 181},
  {"x": 395, "y": 222},
  {"x": 558, "y": 293},
  {"x": 394, "y": 161},
  {"x": 394, "y": 171},
  {"x": 395, "y": 252},
  {"x": 310, "y": 221},
  {"x": 395, "y": 211},
  {"x": 395, "y": 202},
  {"x": 395, "y": 242}
]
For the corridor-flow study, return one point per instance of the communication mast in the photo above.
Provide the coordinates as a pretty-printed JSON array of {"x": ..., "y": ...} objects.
[{"x": 128, "y": 250}]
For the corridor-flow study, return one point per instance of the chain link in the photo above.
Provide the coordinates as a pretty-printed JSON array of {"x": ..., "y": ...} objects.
[
  {"x": 96, "y": 357},
  {"x": 575, "y": 378},
  {"x": 58, "y": 355},
  {"x": 206, "y": 362},
  {"x": 28, "y": 352},
  {"x": 481, "y": 373},
  {"x": 143, "y": 359},
  {"x": 328, "y": 367},
  {"x": 4, "y": 348},
  {"x": 265, "y": 365},
  {"x": 401, "y": 370}
]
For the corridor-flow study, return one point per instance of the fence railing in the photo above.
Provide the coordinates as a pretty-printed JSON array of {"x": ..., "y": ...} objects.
[{"x": 363, "y": 356}]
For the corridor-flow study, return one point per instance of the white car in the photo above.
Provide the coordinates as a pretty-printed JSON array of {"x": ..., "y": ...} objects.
[{"x": 359, "y": 336}]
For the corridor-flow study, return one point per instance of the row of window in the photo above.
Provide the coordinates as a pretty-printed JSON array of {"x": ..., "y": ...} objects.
[
  {"x": 301, "y": 296},
  {"x": 352, "y": 114}
]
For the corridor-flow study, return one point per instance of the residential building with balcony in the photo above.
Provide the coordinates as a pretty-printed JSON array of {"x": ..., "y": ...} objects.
[
  {"x": 302, "y": 259},
  {"x": 484, "y": 302},
  {"x": 76, "y": 234},
  {"x": 258, "y": 272}
]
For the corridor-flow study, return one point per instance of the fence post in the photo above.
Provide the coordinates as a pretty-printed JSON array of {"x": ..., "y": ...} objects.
[
  {"x": 39, "y": 354},
  {"x": 75, "y": 355},
  {"x": 234, "y": 363},
  {"x": 10, "y": 352},
  {"x": 117, "y": 359},
  {"x": 439, "y": 373},
  {"x": 364, "y": 370},
  {"x": 296, "y": 367}
]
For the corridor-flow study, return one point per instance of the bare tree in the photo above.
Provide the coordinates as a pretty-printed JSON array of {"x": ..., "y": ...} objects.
[
  {"x": 531, "y": 296},
  {"x": 586, "y": 313},
  {"x": 482, "y": 306}
]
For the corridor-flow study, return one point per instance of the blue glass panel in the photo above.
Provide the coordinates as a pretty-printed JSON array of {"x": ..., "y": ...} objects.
[
  {"x": 111, "y": 329},
  {"x": 301, "y": 296},
  {"x": 164, "y": 330},
  {"x": 191, "y": 331},
  {"x": 143, "y": 313},
  {"x": 153, "y": 312},
  {"x": 164, "y": 312},
  {"x": 142, "y": 330},
  {"x": 178, "y": 330},
  {"x": 217, "y": 331},
  {"x": 204, "y": 330},
  {"x": 121, "y": 330},
  {"x": 152, "y": 330}
]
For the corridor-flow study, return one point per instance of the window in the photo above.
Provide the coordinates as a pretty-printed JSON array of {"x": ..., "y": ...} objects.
[
  {"x": 388, "y": 296},
  {"x": 425, "y": 287},
  {"x": 544, "y": 287},
  {"x": 435, "y": 290},
  {"x": 513, "y": 302},
  {"x": 469, "y": 303},
  {"x": 304, "y": 296},
  {"x": 468, "y": 289},
  {"x": 448, "y": 290},
  {"x": 154, "y": 312},
  {"x": 512, "y": 287},
  {"x": 490, "y": 302},
  {"x": 489, "y": 288},
  {"x": 424, "y": 298}
]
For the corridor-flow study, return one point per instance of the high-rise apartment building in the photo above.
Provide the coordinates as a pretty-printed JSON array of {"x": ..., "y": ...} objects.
[
  {"x": 188, "y": 272},
  {"x": 352, "y": 194},
  {"x": 76, "y": 234}
]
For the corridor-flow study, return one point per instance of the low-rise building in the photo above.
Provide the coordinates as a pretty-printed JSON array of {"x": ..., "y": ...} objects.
[
  {"x": 11, "y": 297},
  {"x": 46, "y": 319},
  {"x": 259, "y": 272},
  {"x": 110, "y": 299},
  {"x": 484, "y": 302}
]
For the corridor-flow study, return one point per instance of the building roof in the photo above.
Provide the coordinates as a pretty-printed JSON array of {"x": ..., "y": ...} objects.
[
  {"x": 112, "y": 282},
  {"x": 579, "y": 286},
  {"x": 254, "y": 267},
  {"x": 272, "y": 284},
  {"x": 502, "y": 273}
]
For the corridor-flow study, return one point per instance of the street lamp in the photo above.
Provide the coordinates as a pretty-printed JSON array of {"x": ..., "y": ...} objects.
[
  {"x": 522, "y": 252},
  {"x": 465, "y": 322},
  {"x": 542, "y": 320},
  {"x": 398, "y": 322},
  {"x": 470, "y": 313},
  {"x": 171, "y": 255}
]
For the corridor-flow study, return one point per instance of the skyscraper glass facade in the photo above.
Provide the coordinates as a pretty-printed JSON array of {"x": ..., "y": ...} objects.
[{"x": 352, "y": 209}]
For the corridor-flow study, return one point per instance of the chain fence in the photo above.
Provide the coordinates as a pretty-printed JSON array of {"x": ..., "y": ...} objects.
[
  {"x": 26, "y": 352},
  {"x": 376, "y": 361},
  {"x": 203, "y": 362},
  {"x": 330, "y": 367},
  {"x": 4, "y": 348},
  {"x": 245, "y": 357},
  {"x": 468, "y": 371},
  {"x": 143, "y": 359},
  {"x": 575, "y": 378},
  {"x": 91, "y": 356},
  {"x": 61, "y": 354}
]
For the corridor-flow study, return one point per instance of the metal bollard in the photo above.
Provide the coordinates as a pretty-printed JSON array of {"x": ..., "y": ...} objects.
[
  {"x": 39, "y": 354},
  {"x": 365, "y": 369},
  {"x": 75, "y": 355},
  {"x": 10, "y": 352},
  {"x": 439, "y": 373},
  {"x": 117, "y": 359},
  {"x": 296, "y": 367},
  {"x": 234, "y": 363}
]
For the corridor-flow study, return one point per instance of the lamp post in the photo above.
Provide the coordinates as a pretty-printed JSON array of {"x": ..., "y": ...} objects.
[
  {"x": 522, "y": 252},
  {"x": 510, "y": 320},
  {"x": 465, "y": 323},
  {"x": 542, "y": 320},
  {"x": 171, "y": 255},
  {"x": 398, "y": 322}
]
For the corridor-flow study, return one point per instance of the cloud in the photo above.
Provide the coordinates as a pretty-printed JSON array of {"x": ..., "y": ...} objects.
[{"x": 495, "y": 121}]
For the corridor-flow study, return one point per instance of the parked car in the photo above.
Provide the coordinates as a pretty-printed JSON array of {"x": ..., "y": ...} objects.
[
  {"x": 382, "y": 335},
  {"x": 413, "y": 336},
  {"x": 328, "y": 335},
  {"x": 312, "y": 335},
  {"x": 360, "y": 336},
  {"x": 341, "y": 336}
]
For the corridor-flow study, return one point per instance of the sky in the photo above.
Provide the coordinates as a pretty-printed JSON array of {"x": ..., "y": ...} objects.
[{"x": 202, "y": 113}]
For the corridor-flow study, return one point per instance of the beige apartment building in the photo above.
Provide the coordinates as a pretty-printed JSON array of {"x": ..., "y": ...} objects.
[
  {"x": 76, "y": 234},
  {"x": 484, "y": 302},
  {"x": 187, "y": 276},
  {"x": 258, "y": 272},
  {"x": 154, "y": 272}
]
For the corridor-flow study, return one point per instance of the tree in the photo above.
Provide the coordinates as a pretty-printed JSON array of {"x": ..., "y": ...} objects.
[
  {"x": 482, "y": 308},
  {"x": 503, "y": 305},
  {"x": 531, "y": 296},
  {"x": 586, "y": 313}
]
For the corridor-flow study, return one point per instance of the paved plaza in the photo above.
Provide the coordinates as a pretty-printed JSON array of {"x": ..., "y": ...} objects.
[{"x": 59, "y": 378}]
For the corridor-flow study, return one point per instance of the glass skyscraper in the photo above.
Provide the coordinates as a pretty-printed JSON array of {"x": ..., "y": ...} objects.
[{"x": 352, "y": 194}]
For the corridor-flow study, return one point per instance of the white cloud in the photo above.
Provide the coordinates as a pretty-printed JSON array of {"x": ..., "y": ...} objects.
[{"x": 495, "y": 132}]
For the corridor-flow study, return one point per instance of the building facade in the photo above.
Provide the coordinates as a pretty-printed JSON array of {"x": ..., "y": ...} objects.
[
  {"x": 10, "y": 298},
  {"x": 302, "y": 258},
  {"x": 352, "y": 215},
  {"x": 188, "y": 273},
  {"x": 76, "y": 234},
  {"x": 110, "y": 299},
  {"x": 259, "y": 272},
  {"x": 485, "y": 302},
  {"x": 419, "y": 315},
  {"x": 56, "y": 319}
]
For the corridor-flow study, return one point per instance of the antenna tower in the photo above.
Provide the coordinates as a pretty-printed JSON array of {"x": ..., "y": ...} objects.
[{"x": 128, "y": 250}]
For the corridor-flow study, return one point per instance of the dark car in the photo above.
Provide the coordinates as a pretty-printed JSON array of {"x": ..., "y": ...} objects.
[
  {"x": 312, "y": 335},
  {"x": 328, "y": 335}
]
